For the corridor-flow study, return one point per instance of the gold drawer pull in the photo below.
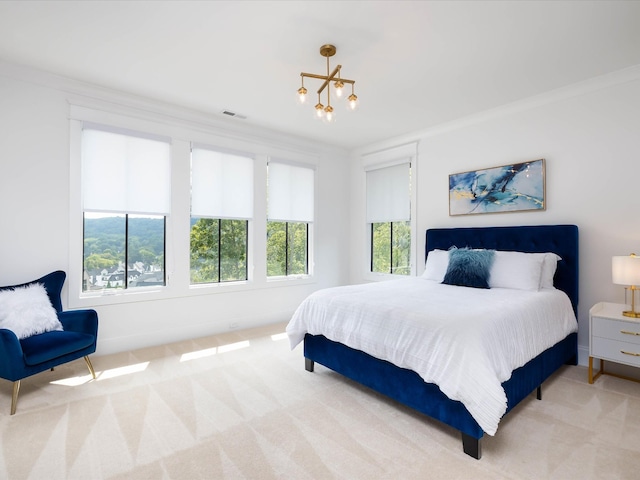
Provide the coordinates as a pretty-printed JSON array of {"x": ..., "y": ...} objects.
[
  {"x": 629, "y": 333},
  {"x": 630, "y": 353}
]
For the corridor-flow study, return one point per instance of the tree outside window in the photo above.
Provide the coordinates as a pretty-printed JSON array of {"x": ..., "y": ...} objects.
[
  {"x": 287, "y": 248},
  {"x": 218, "y": 250},
  {"x": 391, "y": 248}
]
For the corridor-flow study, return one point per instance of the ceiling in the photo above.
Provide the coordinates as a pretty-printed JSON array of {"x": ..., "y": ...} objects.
[{"x": 417, "y": 64}]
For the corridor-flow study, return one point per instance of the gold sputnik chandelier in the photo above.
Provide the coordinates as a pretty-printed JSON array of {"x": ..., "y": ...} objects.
[{"x": 323, "y": 112}]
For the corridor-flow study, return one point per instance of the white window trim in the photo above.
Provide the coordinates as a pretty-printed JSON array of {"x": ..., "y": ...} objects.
[
  {"x": 309, "y": 277},
  {"x": 76, "y": 297},
  {"x": 407, "y": 153}
]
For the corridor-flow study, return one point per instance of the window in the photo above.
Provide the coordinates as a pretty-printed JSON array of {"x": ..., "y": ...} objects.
[
  {"x": 287, "y": 251},
  {"x": 290, "y": 215},
  {"x": 125, "y": 199},
  {"x": 221, "y": 207},
  {"x": 389, "y": 217}
]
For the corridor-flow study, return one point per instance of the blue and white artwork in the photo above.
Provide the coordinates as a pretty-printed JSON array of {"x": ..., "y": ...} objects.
[{"x": 510, "y": 188}]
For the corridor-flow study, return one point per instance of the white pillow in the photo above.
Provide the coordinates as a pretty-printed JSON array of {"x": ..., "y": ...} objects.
[
  {"x": 436, "y": 266},
  {"x": 27, "y": 311},
  {"x": 549, "y": 266},
  {"x": 518, "y": 270}
]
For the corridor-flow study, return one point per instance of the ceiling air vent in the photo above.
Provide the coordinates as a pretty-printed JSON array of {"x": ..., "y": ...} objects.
[{"x": 233, "y": 114}]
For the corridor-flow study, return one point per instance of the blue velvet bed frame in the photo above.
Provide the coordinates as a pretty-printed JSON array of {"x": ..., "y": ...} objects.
[{"x": 406, "y": 386}]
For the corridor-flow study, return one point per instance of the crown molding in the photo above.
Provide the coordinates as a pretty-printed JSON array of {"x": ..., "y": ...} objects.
[{"x": 98, "y": 97}]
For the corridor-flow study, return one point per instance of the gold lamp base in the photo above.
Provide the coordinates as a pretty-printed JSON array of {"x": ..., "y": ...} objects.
[{"x": 632, "y": 313}]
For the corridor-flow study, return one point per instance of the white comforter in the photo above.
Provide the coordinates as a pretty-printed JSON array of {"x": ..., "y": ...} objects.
[{"x": 465, "y": 340}]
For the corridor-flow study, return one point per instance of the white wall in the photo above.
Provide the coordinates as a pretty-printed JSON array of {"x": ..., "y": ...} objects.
[
  {"x": 35, "y": 214},
  {"x": 589, "y": 135}
]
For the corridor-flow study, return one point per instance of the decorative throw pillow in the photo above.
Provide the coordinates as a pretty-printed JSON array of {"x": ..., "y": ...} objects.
[
  {"x": 27, "y": 311},
  {"x": 469, "y": 268},
  {"x": 436, "y": 266}
]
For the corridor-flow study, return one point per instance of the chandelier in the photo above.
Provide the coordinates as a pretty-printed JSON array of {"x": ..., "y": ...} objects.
[{"x": 323, "y": 112}]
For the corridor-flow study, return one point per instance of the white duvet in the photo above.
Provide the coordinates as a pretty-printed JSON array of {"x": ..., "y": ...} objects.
[{"x": 465, "y": 340}]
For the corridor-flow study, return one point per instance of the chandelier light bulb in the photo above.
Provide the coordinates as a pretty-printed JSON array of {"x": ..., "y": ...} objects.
[
  {"x": 302, "y": 95},
  {"x": 339, "y": 88},
  {"x": 329, "y": 116},
  {"x": 353, "y": 101},
  {"x": 319, "y": 110}
]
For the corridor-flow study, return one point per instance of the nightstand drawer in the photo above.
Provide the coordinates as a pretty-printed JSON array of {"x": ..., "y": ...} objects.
[
  {"x": 628, "y": 332},
  {"x": 613, "y": 350}
]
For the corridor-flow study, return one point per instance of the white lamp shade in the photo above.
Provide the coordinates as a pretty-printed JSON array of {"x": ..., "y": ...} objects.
[{"x": 625, "y": 270}]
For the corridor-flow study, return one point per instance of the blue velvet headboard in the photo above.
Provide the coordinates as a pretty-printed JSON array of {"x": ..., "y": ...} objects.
[{"x": 560, "y": 239}]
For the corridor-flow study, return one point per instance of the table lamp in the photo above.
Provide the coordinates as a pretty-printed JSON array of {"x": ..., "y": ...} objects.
[{"x": 625, "y": 270}]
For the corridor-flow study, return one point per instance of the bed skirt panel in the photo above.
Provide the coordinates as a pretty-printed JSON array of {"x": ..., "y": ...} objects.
[
  {"x": 527, "y": 378},
  {"x": 402, "y": 385},
  {"x": 408, "y": 388}
]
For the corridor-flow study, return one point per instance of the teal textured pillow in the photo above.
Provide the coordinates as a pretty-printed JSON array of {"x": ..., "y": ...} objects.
[{"x": 469, "y": 268}]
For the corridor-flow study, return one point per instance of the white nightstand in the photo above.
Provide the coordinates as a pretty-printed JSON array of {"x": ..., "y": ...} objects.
[{"x": 613, "y": 337}]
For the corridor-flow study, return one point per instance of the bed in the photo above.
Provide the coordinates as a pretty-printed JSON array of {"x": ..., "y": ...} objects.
[{"x": 394, "y": 379}]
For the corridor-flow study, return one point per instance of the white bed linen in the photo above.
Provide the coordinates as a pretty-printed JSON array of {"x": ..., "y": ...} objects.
[{"x": 465, "y": 340}]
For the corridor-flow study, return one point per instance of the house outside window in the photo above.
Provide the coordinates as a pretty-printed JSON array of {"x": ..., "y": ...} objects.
[
  {"x": 126, "y": 196},
  {"x": 290, "y": 207},
  {"x": 221, "y": 209}
]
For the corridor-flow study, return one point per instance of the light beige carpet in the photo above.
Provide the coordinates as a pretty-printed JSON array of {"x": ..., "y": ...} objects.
[{"x": 241, "y": 406}]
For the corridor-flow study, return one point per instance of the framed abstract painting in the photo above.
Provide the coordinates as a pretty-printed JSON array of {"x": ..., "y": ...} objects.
[{"x": 509, "y": 188}]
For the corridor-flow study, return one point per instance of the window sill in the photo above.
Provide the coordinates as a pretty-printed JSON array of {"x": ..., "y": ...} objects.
[
  {"x": 291, "y": 279},
  {"x": 150, "y": 294}
]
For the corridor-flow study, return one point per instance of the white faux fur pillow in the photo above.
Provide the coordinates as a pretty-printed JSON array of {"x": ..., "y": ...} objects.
[{"x": 27, "y": 311}]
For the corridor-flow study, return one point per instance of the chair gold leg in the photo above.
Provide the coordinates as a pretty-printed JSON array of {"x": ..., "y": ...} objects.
[
  {"x": 14, "y": 397},
  {"x": 93, "y": 373}
]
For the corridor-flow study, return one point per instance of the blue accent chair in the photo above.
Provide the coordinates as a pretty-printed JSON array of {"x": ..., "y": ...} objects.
[{"x": 22, "y": 358}]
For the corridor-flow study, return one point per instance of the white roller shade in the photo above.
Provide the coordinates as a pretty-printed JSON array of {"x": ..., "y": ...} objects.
[
  {"x": 290, "y": 193},
  {"x": 221, "y": 185},
  {"x": 388, "y": 194},
  {"x": 125, "y": 173}
]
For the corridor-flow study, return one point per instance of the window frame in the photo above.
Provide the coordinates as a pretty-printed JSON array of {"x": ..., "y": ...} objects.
[
  {"x": 309, "y": 227},
  {"x": 391, "y": 248},
  {"x": 98, "y": 121},
  {"x": 220, "y": 258},
  {"x": 126, "y": 250},
  {"x": 249, "y": 219},
  {"x": 393, "y": 156},
  {"x": 287, "y": 251}
]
